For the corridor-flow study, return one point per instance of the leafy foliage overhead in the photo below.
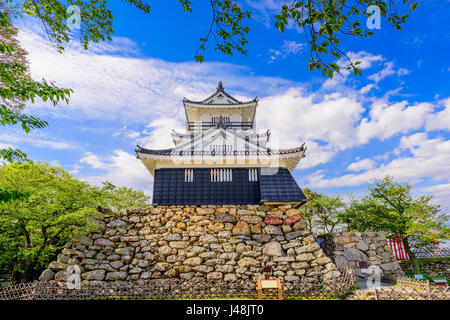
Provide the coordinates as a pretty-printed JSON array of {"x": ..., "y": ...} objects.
[
  {"x": 324, "y": 23},
  {"x": 17, "y": 86}
]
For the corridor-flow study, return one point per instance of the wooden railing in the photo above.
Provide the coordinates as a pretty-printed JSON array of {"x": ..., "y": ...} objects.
[{"x": 227, "y": 124}]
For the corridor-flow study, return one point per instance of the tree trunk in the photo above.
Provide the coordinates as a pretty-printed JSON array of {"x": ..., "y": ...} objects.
[
  {"x": 15, "y": 277},
  {"x": 412, "y": 256},
  {"x": 29, "y": 273}
]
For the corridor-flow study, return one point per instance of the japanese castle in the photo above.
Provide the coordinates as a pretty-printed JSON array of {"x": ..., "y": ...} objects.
[{"x": 221, "y": 159}]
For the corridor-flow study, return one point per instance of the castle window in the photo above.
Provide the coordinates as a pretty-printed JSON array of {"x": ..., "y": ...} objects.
[
  {"x": 252, "y": 175},
  {"x": 221, "y": 175},
  {"x": 220, "y": 148},
  {"x": 216, "y": 119},
  {"x": 188, "y": 175}
]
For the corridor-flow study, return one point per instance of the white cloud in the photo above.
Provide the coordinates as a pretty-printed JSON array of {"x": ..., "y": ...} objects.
[
  {"x": 292, "y": 47},
  {"x": 157, "y": 135},
  {"x": 441, "y": 119},
  {"x": 387, "y": 71},
  {"x": 360, "y": 165},
  {"x": 92, "y": 160},
  {"x": 35, "y": 139},
  {"x": 430, "y": 158},
  {"x": 367, "y": 88},
  {"x": 337, "y": 120},
  {"x": 316, "y": 154},
  {"x": 366, "y": 59},
  {"x": 132, "y": 90},
  {"x": 121, "y": 169},
  {"x": 129, "y": 134},
  {"x": 386, "y": 120},
  {"x": 264, "y": 9},
  {"x": 288, "y": 47},
  {"x": 402, "y": 72},
  {"x": 331, "y": 120},
  {"x": 273, "y": 55},
  {"x": 441, "y": 194}
]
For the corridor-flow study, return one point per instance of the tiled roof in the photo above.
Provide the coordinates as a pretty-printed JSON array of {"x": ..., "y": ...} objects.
[
  {"x": 173, "y": 151},
  {"x": 139, "y": 149},
  {"x": 280, "y": 187},
  {"x": 219, "y": 89}
]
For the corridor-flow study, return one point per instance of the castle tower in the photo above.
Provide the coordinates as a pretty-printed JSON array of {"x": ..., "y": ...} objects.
[{"x": 221, "y": 159}]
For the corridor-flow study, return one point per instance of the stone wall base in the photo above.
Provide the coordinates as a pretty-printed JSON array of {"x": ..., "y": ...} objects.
[
  {"x": 348, "y": 249},
  {"x": 431, "y": 267},
  {"x": 213, "y": 242}
]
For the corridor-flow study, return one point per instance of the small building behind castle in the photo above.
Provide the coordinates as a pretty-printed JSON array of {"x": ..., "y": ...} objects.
[{"x": 222, "y": 160}]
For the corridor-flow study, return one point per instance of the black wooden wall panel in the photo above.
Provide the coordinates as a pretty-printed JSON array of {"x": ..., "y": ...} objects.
[{"x": 170, "y": 188}]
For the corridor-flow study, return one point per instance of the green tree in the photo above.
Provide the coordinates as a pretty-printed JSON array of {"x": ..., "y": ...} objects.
[
  {"x": 308, "y": 210},
  {"x": 117, "y": 199},
  {"x": 16, "y": 85},
  {"x": 6, "y": 195},
  {"x": 34, "y": 229},
  {"x": 390, "y": 207},
  {"x": 321, "y": 211},
  {"x": 328, "y": 209}
]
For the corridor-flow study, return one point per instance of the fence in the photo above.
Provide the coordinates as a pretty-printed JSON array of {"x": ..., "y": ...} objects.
[
  {"x": 162, "y": 289},
  {"x": 412, "y": 289},
  {"x": 435, "y": 253},
  {"x": 404, "y": 289},
  {"x": 421, "y": 285}
]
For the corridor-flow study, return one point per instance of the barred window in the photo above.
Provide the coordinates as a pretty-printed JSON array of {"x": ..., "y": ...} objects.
[
  {"x": 189, "y": 175},
  {"x": 216, "y": 119},
  {"x": 252, "y": 174},
  {"x": 221, "y": 175},
  {"x": 217, "y": 148}
]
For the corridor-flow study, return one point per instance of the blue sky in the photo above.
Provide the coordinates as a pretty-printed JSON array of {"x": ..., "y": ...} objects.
[{"x": 395, "y": 119}]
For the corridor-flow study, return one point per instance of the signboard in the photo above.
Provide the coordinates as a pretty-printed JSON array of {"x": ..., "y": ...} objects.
[{"x": 269, "y": 284}]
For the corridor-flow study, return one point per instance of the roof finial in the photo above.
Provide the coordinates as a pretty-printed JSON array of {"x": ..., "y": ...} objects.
[{"x": 220, "y": 87}]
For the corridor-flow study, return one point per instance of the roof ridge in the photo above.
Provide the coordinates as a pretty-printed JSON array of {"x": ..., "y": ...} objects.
[{"x": 220, "y": 89}]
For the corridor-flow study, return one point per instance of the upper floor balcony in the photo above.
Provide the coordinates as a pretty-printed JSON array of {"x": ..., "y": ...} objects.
[{"x": 203, "y": 125}]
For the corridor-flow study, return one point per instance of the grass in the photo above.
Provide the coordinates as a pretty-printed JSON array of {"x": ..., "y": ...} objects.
[{"x": 427, "y": 277}]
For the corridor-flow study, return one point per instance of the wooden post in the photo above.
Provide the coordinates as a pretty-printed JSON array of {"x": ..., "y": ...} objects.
[
  {"x": 269, "y": 284},
  {"x": 259, "y": 288},
  {"x": 280, "y": 290}
]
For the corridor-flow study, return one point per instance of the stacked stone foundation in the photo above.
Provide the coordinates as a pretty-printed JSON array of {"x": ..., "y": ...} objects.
[
  {"x": 349, "y": 249},
  {"x": 226, "y": 243},
  {"x": 432, "y": 267}
]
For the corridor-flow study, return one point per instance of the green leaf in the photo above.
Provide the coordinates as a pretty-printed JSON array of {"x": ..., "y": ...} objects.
[
  {"x": 330, "y": 74},
  {"x": 199, "y": 58}
]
